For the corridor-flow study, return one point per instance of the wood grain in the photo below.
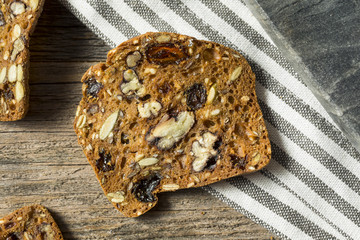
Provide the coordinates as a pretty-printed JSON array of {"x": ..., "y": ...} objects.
[{"x": 41, "y": 162}]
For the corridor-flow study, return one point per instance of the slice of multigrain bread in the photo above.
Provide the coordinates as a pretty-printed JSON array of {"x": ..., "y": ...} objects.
[
  {"x": 166, "y": 112},
  {"x": 17, "y": 21},
  {"x": 29, "y": 223}
]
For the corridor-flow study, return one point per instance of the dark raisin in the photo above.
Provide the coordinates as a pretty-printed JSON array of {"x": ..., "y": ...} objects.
[
  {"x": 146, "y": 97},
  {"x": 2, "y": 19},
  {"x": 104, "y": 162},
  {"x": 173, "y": 112},
  {"x": 166, "y": 53},
  {"x": 8, "y": 94},
  {"x": 217, "y": 144},
  {"x": 238, "y": 161},
  {"x": 196, "y": 96},
  {"x": 93, "y": 88},
  {"x": 144, "y": 188},
  {"x": 165, "y": 88},
  {"x": 211, "y": 163},
  {"x": 12, "y": 236},
  {"x": 9, "y": 225},
  {"x": 124, "y": 138}
]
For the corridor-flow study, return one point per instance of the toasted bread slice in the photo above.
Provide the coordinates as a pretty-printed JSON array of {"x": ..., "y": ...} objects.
[
  {"x": 30, "y": 222},
  {"x": 167, "y": 112},
  {"x": 17, "y": 21}
]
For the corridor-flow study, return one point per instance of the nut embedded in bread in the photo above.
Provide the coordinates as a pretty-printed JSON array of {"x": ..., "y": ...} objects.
[{"x": 167, "y": 112}]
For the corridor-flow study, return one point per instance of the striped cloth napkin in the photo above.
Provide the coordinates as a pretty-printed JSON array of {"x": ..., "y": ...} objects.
[{"x": 311, "y": 188}]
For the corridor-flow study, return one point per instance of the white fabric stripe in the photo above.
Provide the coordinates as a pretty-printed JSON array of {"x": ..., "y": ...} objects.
[
  {"x": 267, "y": 63},
  {"x": 309, "y": 195},
  {"x": 243, "y": 12},
  {"x": 94, "y": 17},
  {"x": 308, "y": 129},
  {"x": 292, "y": 201},
  {"x": 172, "y": 18},
  {"x": 251, "y": 205},
  {"x": 128, "y": 14},
  {"x": 315, "y": 167}
]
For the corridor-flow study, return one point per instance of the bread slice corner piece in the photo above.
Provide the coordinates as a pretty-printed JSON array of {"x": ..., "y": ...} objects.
[
  {"x": 29, "y": 222},
  {"x": 167, "y": 112},
  {"x": 17, "y": 22}
]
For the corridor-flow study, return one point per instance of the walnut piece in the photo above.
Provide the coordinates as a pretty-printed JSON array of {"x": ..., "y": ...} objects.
[
  {"x": 203, "y": 150},
  {"x": 171, "y": 130},
  {"x": 133, "y": 59},
  {"x": 131, "y": 84},
  {"x": 148, "y": 109}
]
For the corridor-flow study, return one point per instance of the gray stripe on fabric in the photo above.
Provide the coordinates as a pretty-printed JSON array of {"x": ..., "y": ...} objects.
[
  {"x": 114, "y": 18},
  {"x": 239, "y": 208},
  {"x": 150, "y": 16},
  {"x": 249, "y": 33},
  {"x": 277, "y": 181},
  {"x": 310, "y": 147},
  {"x": 314, "y": 183},
  {"x": 87, "y": 23},
  {"x": 304, "y": 110},
  {"x": 281, "y": 209}
]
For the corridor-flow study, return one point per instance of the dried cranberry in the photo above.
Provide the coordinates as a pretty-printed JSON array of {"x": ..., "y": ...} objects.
[
  {"x": 144, "y": 188},
  {"x": 196, "y": 96},
  {"x": 238, "y": 161},
  {"x": 93, "y": 88},
  {"x": 166, "y": 53},
  {"x": 104, "y": 162}
]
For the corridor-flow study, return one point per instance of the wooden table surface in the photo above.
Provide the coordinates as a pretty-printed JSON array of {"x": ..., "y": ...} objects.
[{"x": 41, "y": 162}]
